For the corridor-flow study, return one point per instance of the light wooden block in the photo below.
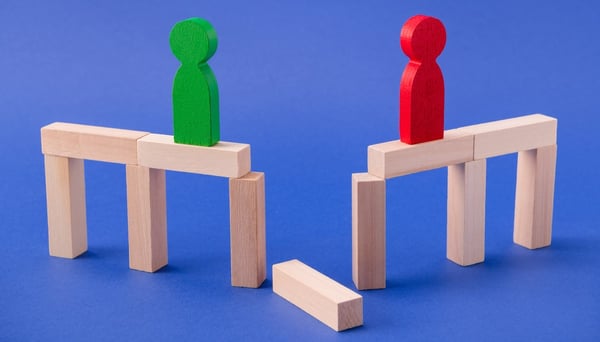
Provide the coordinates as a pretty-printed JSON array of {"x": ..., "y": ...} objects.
[
  {"x": 247, "y": 226},
  {"x": 65, "y": 200},
  {"x": 225, "y": 159},
  {"x": 395, "y": 158},
  {"x": 512, "y": 135},
  {"x": 147, "y": 220},
  {"x": 534, "y": 200},
  {"x": 91, "y": 142},
  {"x": 368, "y": 231},
  {"x": 320, "y": 296},
  {"x": 466, "y": 212}
]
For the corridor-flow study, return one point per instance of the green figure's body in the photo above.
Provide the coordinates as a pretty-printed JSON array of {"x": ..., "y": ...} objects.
[{"x": 195, "y": 92}]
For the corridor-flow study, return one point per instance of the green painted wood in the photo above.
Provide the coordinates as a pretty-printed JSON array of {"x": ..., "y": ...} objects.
[{"x": 195, "y": 92}]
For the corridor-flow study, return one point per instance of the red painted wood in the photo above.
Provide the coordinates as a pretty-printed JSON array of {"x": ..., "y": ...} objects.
[{"x": 422, "y": 85}]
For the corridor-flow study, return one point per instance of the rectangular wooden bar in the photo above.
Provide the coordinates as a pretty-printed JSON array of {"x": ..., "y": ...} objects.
[
  {"x": 65, "y": 198},
  {"x": 91, "y": 142},
  {"x": 225, "y": 159},
  {"x": 147, "y": 220},
  {"x": 368, "y": 231},
  {"x": 318, "y": 295},
  {"x": 395, "y": 158},
  {"x": 247, "y": 226},
  {"x": 512, "y": 135},
  {"x": 534, "y": 200},
  {"x": 465, "y": 244}
]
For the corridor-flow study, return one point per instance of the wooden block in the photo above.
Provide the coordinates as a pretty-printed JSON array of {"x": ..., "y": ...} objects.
[
  {"x": 422, "y": 85},
  {"x": 534, "y": 200},
  {"x": 65, "y": 199},
  {"x": 512, "y": 135},
  {"x": 91, "y": 142},
  {"x": 247, "y": 224},
  {"x": 147, "y": 220},
  {"x": 466, "y": 213},
  {"x": 320, "y": 296},
  {"x": 368, "y": 231},
  {"x": 225, "y": 159},
  {"x": 395, "y": 158}
]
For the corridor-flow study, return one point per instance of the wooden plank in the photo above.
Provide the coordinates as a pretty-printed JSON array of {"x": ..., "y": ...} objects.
[
  {"x": 395, "y": 158},
  {"x": 91, "y": 142},
  {"x": 512, "y": 135},
  {"x": 65, "y": 200},
  {"x": 247, "y": 225},
  {"x": 534, "y": 200},
  {"x": 225, "y": 159},
  {"x": 466, "y": 213},
  {"x": 368, "y": 231},
  {"x": 318, "y": 295},
  {"x": 147, "y": 220}
]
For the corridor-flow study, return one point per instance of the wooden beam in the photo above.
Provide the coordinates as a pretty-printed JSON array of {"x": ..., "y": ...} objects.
[
  {"x": 247, "y": 225},
  {"x": 65, "y": 198},
  {"x": 147, "y": 220},
  {"x": 466, "y": 213},
  {"x": 512, "y": 135},
  {"x": 534, "y": 200},
  {"x": 318, "y": 295},
  {"x": 395, "y": 158},
  {"x": 91, "y": 142},
  {"x": 368, "y": 231},
  {"x": 225, "y": 159}
]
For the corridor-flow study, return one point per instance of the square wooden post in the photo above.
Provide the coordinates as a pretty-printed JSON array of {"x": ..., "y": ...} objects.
[
  {"x": 65, "y": 199},
  {"x": 147, "y": 220},
  {"x": 368, "y": 231},
  {"x": 247, "y": 230},
  {"x": 465, "y": 239},
  {"x": 534, "y": 200}
]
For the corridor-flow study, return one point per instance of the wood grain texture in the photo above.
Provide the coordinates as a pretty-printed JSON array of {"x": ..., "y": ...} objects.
[
  {"x": 395, "y": 158},
  {"x": 195, "y": 91},
  {"x": 534, "y": 200},
  {"x": 512, "y": 135},
  {"x": 247, "y": 230},
  {"x": 422, "y": 85},
  {"x": 224, "y": 159},
  {"x": 368, "y": 231},
  {"x": 91, "y": 142},
  {"x": 147, "y": 219},
  {"x": 465, "y": 244},
  {"x": 318, "y": 295},
  {"x": 65, "y": 198}
]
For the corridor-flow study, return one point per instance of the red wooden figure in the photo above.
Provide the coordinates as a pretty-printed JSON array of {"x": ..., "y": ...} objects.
[{"x": 422, "y": 86}]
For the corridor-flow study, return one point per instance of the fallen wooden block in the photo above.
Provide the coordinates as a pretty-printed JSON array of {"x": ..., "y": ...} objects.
[
  {"x": 501, "y": 137},
  {"x": 225, "y": 159},
  {"x": 320, "y": 296},
  {"x": 395, "y": 158},
  {"x": 91, "y": 142}
]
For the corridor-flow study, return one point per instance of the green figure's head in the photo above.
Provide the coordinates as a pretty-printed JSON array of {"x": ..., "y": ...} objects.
[{"x": 193, "y": 41}]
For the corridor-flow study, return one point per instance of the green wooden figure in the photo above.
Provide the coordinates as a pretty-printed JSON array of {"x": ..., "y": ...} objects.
[{"x": 195, "y": 92}]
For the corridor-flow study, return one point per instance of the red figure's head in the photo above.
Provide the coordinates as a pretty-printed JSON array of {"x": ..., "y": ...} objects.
[{"x": 423, "y": 38}]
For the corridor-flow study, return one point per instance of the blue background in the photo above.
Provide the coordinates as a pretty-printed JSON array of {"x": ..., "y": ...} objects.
[{"x": 309, "y": 84}]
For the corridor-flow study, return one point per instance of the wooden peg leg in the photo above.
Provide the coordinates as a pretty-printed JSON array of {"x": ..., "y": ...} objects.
[
  {"x": 65, "y": 198},
  {"x": 368, "y": 231},
  {"x": 147, "y": 220},
  {"x": 465, "y": 240},
  {"x": 534, "y": 198},
  {"x": 247, "y": 225}
]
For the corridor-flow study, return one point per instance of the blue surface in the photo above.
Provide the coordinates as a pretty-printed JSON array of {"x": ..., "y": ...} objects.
[{"x": 309, "y": 86}]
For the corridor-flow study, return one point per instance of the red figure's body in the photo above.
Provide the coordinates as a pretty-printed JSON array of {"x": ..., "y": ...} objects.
[{"x": 422, "y": 86}]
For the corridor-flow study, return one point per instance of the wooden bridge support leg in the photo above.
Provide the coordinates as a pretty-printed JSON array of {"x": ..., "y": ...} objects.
[{"x": 465, "y": 244}]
